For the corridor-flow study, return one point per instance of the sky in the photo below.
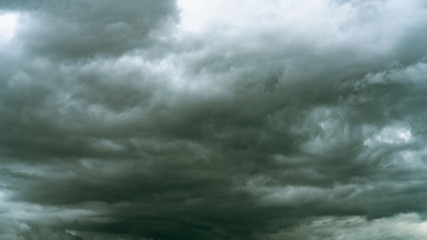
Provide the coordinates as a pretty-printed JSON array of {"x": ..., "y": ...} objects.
[{"x": 213, "y": 120}]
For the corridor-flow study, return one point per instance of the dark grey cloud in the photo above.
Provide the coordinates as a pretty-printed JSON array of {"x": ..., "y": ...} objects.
[
  {"x": 161, "y": 120},
  {"x": 71, "y": 30}
]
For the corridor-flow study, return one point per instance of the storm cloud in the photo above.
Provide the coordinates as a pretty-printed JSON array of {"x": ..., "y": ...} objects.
[{"x": 197, "y": 119}]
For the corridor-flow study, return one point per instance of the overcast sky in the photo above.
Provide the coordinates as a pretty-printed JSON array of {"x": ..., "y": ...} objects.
[{"x": 213, "y": 120}]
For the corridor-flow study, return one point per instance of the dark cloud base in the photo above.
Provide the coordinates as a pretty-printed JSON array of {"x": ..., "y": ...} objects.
[{"x": 115, "y": 126}]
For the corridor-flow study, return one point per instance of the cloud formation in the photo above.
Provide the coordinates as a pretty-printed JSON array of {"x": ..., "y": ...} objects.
[{"x": 213, "y": 120}]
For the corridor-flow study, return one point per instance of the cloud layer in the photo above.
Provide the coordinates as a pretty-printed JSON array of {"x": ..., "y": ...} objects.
[{"x": 213, "y": 120}]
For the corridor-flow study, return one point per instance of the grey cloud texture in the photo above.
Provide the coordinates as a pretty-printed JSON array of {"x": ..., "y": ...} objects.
[
  {"x": 213, "y": 120},
  {"x": 70, "y": 30}
]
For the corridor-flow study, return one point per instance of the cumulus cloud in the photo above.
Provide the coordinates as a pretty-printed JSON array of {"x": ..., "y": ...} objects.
[{"x": 213, "y": 120}]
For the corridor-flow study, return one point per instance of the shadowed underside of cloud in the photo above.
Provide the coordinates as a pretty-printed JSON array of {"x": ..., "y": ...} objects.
[{"x": 213, "y": 120}]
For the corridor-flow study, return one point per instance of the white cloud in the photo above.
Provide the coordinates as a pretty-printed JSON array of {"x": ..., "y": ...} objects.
[
  {"x": 8, "y": 25},
  {"x": 392, "y": 134},
  {"x": 403, "y": 227}
]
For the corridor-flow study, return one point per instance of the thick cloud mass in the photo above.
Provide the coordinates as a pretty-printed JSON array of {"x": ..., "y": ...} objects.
[{"x": 208, "y": 120}]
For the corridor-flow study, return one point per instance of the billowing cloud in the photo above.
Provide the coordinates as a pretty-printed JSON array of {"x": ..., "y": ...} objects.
[{"x": 213, "y": 120}]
